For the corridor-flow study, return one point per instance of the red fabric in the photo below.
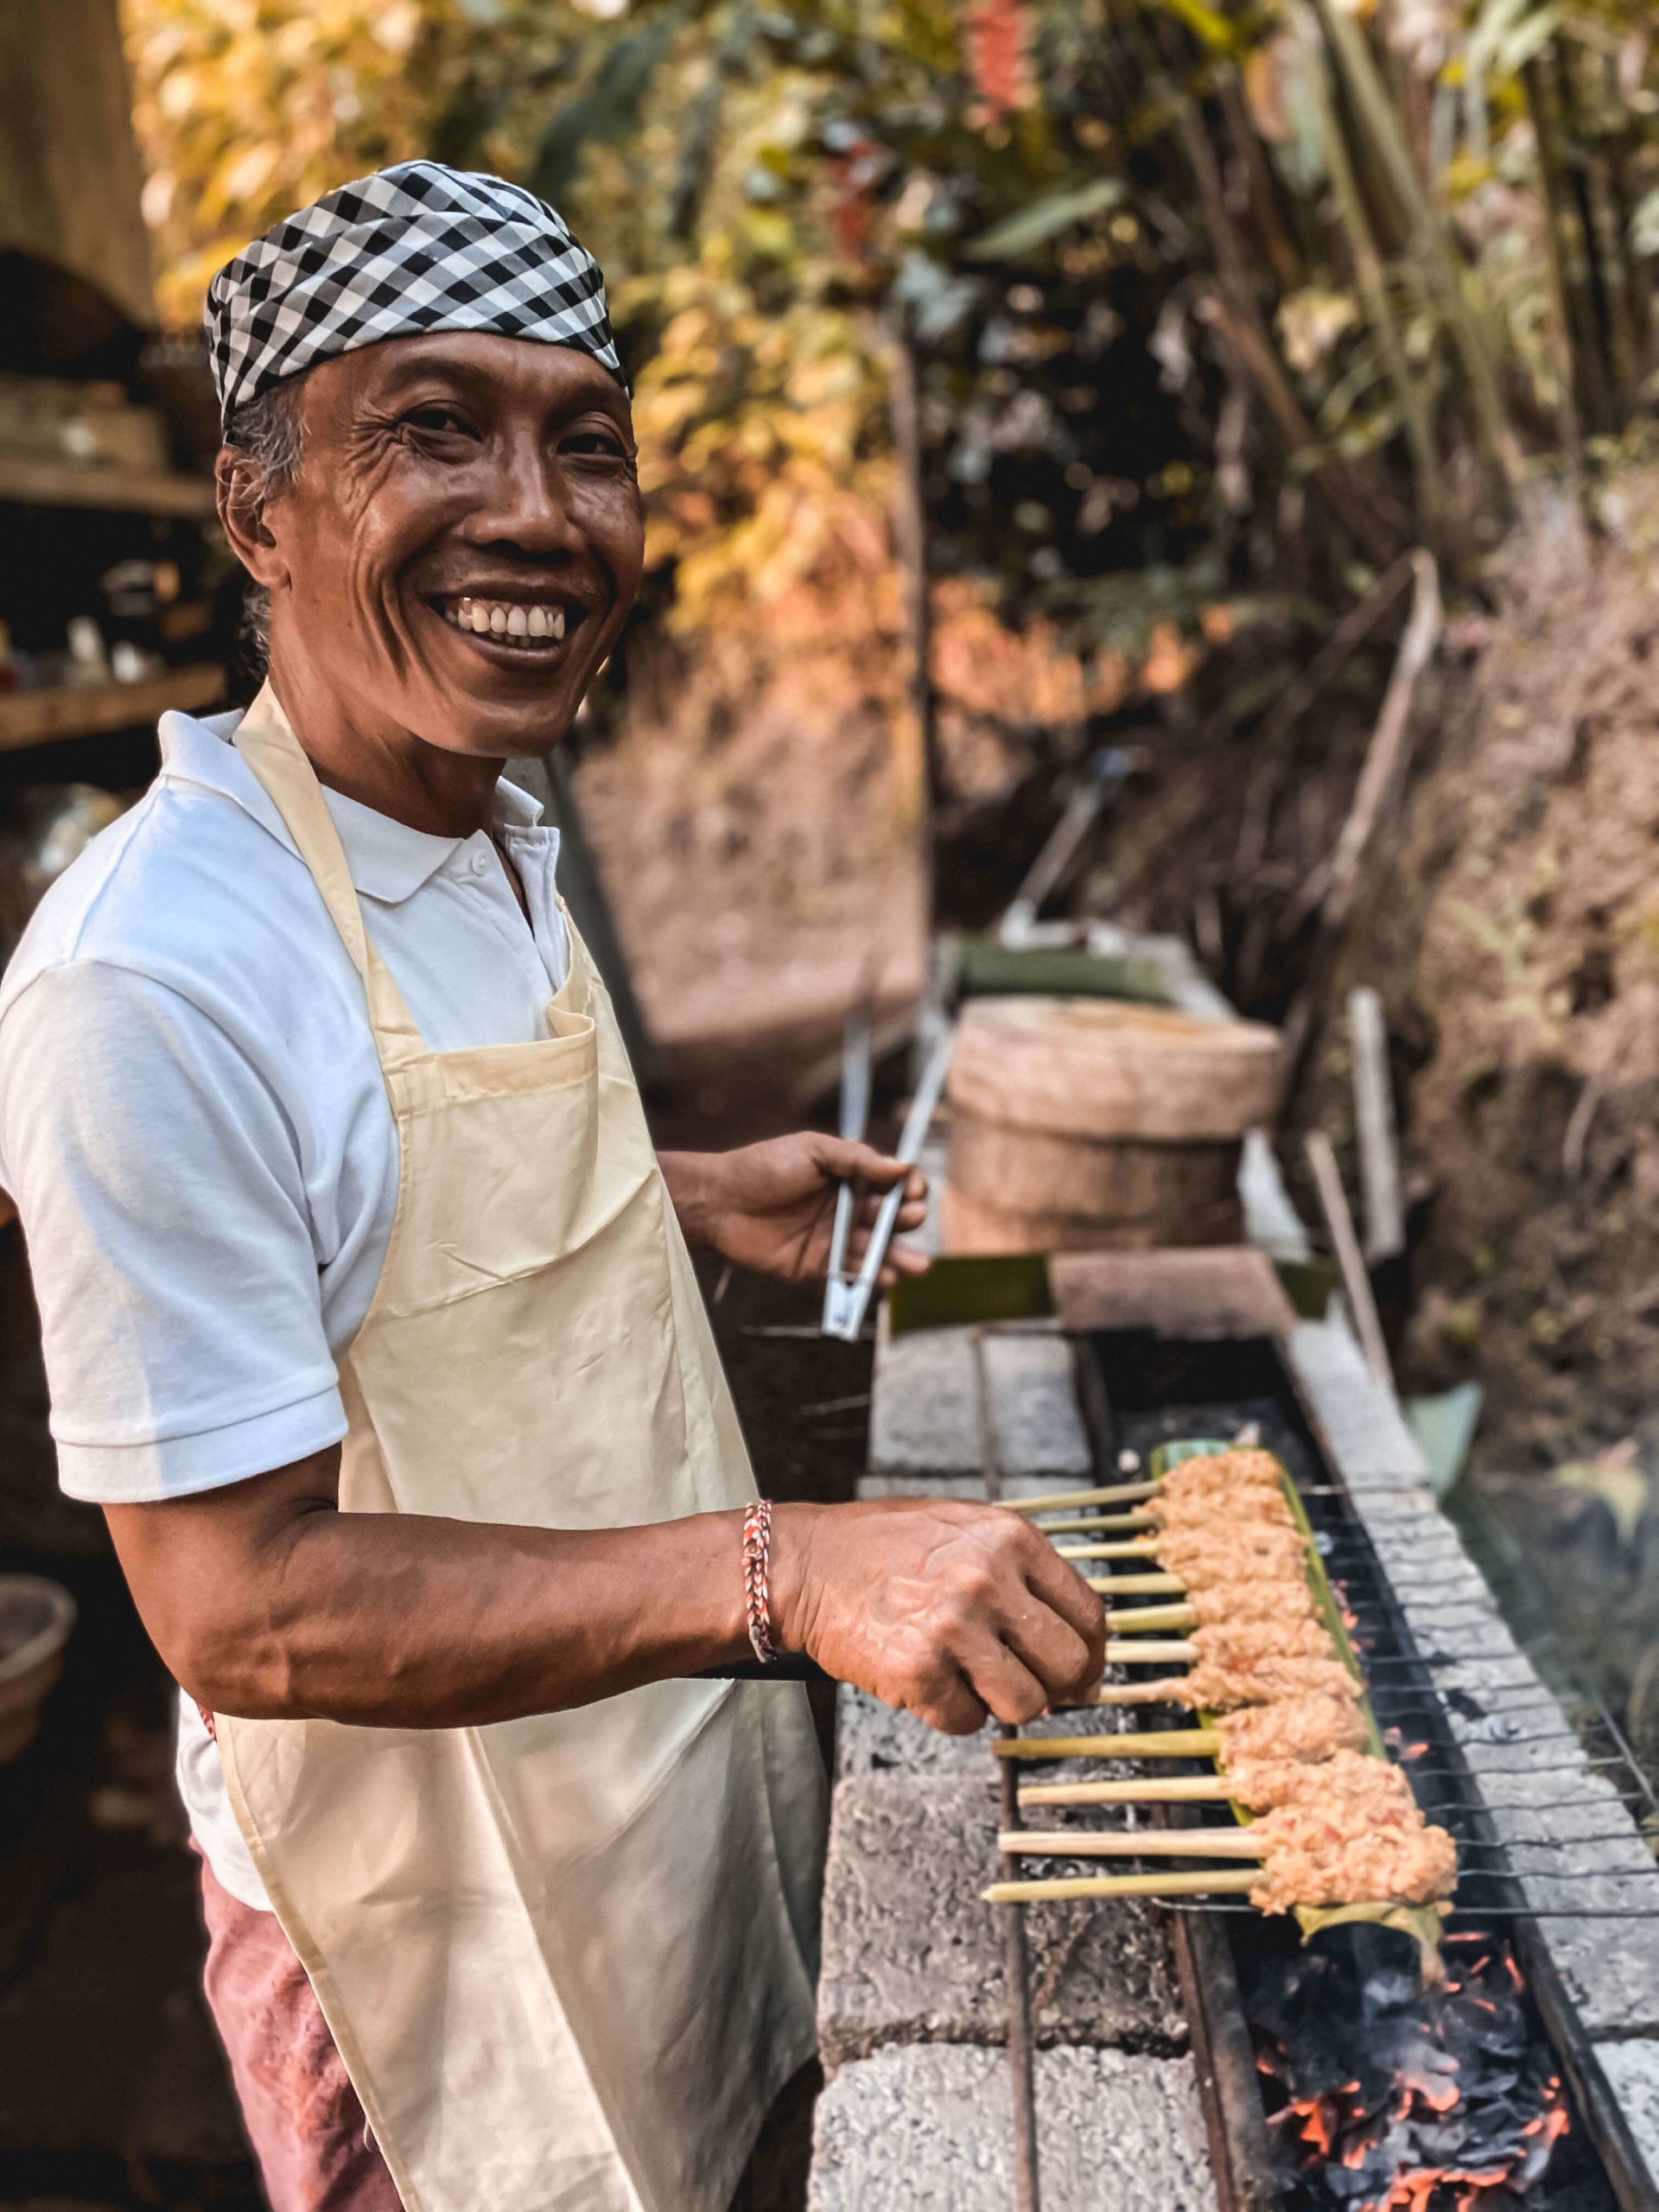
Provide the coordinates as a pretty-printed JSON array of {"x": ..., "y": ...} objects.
[{"x": 300, "y": 2109}]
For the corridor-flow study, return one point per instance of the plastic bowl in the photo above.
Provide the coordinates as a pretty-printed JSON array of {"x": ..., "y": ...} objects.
[{"x": 36, "y": 1617}]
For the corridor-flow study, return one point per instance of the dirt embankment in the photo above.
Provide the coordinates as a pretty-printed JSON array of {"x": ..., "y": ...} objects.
[{"x": 1513, "y": 930}]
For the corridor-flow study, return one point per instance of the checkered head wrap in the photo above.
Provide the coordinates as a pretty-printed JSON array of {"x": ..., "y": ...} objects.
[{"x": 410, "y": 249}]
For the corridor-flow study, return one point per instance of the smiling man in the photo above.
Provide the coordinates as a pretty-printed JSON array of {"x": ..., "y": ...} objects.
[{"x": 369, "y": 1321}]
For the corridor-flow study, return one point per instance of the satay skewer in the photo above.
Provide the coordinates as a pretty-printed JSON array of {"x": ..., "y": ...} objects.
[
  {"x": 1199, "y": 1881},
  {"x": 1132, "y": 1843},
  {"x": 1145, "y": 1620},
  {"x": 1172, "y": 1789},
  {"x": 1135, "y": 1744},
  {"x": 1067, "y": 1501}
]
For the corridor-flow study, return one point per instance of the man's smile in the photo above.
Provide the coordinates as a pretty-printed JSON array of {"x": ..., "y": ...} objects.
[{"x": 517, "y": 625}]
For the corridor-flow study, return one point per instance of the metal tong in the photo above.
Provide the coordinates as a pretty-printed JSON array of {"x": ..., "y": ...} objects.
[{"x": 847, "y": 1298}]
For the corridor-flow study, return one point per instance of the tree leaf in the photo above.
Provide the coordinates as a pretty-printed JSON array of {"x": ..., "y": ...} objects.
[{"x": 1037, "y": 222}]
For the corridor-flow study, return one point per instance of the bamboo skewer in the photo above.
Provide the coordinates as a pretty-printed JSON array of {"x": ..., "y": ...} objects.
[
  {"x": 1131, "y": 1843},
  {"x": 1138, "y": 1652},
  {"x": 1145, "y": 1620},
  {"x": 1165, "y": 1690},
  {"x": 1137, "y": 1744},
  {"x": 1221, "y": 1881},
  {"x": 1096, "y": 1525},
  {"x": 1138, "y": 1586},
  {"x": 1064, "y": 1501},
  {"x": 1172, "y": 1789},
  {"x": 1135, "y": 1548}
]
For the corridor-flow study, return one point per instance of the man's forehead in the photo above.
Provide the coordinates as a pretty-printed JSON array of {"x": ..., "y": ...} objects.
[{"x": 486, "y": 362}]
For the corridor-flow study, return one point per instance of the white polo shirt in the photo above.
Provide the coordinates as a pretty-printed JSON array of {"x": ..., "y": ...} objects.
[{"x": 194, "y": 1127}]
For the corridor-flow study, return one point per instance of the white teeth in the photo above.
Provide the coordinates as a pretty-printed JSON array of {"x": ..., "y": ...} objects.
[{"x": 507, "y": 619}]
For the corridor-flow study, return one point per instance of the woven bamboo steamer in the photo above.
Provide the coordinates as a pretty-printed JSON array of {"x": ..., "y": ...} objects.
[
  {"x": 1031, "y": 1171},
  {"x": 969, "y": 1226},
  {"x": 1101, "y": 1068}
]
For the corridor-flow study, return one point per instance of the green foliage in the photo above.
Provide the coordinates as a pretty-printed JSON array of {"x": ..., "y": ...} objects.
[{"x": 1172, "y": 269}]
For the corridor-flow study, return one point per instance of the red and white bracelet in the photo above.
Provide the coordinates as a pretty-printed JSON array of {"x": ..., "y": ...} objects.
[{"x": 757, "y": 1578}]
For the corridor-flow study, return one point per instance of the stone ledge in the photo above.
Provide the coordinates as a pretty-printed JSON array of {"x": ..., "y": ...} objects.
[
  {"x": 928, "y": 2129},
  {"x": 913, "y": 1954}
]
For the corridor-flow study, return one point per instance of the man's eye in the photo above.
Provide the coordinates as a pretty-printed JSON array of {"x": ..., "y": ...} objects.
[
  {"x": 438, "y": 420},
  {"x": 603, "y": 445}
]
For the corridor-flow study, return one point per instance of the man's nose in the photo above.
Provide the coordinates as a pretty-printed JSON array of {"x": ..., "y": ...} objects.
[{"x": 526, "y": 503}]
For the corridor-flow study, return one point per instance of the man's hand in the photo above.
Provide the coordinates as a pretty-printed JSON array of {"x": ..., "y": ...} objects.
[
  {"x": 772, "y": 1207},
  {"x": 947, "y": 1609}
]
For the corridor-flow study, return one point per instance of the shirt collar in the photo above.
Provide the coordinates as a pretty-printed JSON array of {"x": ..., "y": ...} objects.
[{"x": 389, "y": 861}]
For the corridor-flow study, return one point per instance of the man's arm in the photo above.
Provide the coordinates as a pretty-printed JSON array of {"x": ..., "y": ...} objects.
[{"x": 265, "y": 1601}]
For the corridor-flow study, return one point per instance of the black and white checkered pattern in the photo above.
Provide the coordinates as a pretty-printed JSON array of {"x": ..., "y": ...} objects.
[{"x": 412, "y": 249}]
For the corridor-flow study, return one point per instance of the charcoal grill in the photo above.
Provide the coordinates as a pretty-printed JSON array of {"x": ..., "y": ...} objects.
[{"x": 1428, "y": 1690}]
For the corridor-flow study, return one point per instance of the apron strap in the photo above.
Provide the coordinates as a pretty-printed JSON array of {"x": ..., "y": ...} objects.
[{"x": 267, "y": 743}]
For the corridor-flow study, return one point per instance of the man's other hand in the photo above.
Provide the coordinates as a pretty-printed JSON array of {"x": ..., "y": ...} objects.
[
  {"x": 772, "y": 1207},
  {"x": 948, "y": 1610}
]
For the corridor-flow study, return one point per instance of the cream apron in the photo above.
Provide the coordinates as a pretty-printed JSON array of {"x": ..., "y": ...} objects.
[{"x": 567, "y": 1959}]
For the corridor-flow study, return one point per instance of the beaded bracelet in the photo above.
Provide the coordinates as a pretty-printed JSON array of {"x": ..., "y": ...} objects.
[{"x": 757, "y": 1578}]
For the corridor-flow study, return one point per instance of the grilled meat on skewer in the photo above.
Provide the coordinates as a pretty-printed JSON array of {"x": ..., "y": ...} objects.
[
  {"x": 1215, "y": 1554},
  {"x": 1265, "y": 1683},
  {"x": 1228, "y": 1602},
  {"x": 1312, "y": 1727},
  {"x": 1365, "y": 1788},
  {"x": 1315, "y": 1859},
  {"x": 1236, "y": 1643}
]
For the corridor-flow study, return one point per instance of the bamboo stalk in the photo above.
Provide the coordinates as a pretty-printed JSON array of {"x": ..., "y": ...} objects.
[
  {"x": 1133, "y": 1548},
  {"x": 1131, "y": 1843},
  {"x": 1091, "y": 1523},
  {"x": 1059, "y": 1500},
  {"x": 1140, "y": 1744},
  {"x": 1219, "y": 1881},
  {"x": 1177, "y": 1652},
  {"x": 1173, "y": 1789},
  {"x": 1145, "y": 1620},
  {"x": 1138, "y": 1586}
]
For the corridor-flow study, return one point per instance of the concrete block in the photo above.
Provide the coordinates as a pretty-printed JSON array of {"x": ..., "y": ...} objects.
[
  {"x": 913, "y": 1954},
  {"x": 924, "y": 1404},
  {"x": 928, "y": 2129},
  {"x": 1632, "y": 2071},
  {"x": 872, "y": 1738},
  {"x": 1361, "y": 1418}
]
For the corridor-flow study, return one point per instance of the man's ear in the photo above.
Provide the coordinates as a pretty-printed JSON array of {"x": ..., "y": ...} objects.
[{"x": 240, "y": 489}]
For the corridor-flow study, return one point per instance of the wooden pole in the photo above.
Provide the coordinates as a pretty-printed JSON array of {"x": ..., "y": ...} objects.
[
  {"x": 1327, "y": 1177},
  {"x": 910, "y": 536},
  {"x": 1379, "y": 1149}
]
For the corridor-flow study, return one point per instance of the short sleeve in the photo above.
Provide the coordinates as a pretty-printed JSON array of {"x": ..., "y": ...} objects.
[{"x": 160, "y": 1192}]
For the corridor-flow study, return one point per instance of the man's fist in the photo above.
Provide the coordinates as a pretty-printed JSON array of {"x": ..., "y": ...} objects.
[
  {"x": 772, "y": 1207},
  {"x": 946, "y": 1610}
]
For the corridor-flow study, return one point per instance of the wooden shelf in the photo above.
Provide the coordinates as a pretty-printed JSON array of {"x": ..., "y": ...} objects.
[
  {"x": 41, "y": 482},
  {"x": 94, "y": 710}
]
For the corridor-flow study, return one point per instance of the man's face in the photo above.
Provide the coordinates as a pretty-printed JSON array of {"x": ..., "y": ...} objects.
[{"x": 464, "y": 540}]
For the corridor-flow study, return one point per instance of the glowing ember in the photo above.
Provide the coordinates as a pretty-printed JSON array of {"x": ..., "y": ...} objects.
[{"x": 1393, "y": 2098}]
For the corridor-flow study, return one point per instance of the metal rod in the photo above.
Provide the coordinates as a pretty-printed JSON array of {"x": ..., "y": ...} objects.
[{"x": 1016, "y": 1975}]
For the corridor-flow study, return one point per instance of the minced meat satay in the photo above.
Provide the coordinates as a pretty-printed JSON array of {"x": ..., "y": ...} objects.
[
  {"x": 1357, "y": 1780},
  {"x": 1245, "y": 1574},
  {"x": 1208, "y": 1480},
  {"x": 1239, "y": 1643},
  {"x": 1215, "y": 1686},
  {"x": 1216, "y": 1602},
  {"x": 1309, "y": 1728},
  {"x": 1241, "y": 1464},
  {"x": 1311, "y": 1861},
  {"x": 1216, "y": 1552},
  {"x": 1260, "y": 1508}
]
